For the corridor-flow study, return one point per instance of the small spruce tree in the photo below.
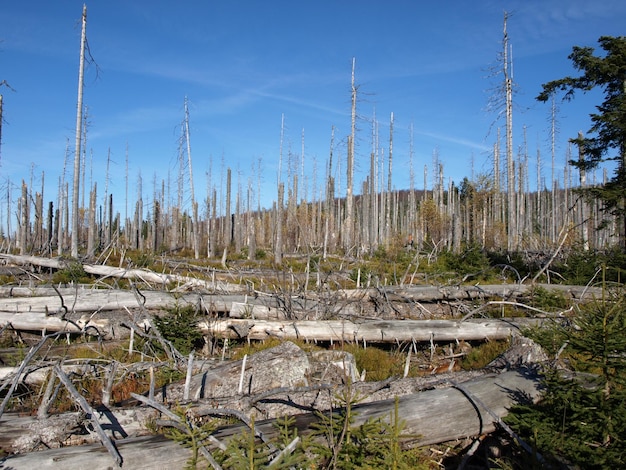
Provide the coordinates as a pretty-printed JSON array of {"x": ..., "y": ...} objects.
[{"x": 581, "y": 419}]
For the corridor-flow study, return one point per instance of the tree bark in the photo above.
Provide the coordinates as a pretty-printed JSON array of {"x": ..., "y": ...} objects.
[{"x": 372, "y": 331}]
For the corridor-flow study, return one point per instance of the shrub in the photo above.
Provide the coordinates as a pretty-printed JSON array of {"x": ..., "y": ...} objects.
[
  {"x": 580, "y": 266},
  {"x": 179, "y": 327},
  {"x": 581, "y": 420},
  {"x": 547, "y": 299},
  {"x": 471, "y": 261},
  {"x": 72, "y": 273}
]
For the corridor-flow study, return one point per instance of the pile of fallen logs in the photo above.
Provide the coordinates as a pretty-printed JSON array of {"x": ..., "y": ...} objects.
[
  {"x": 270, "y": 384},
  {"x": 392, "y": 314},
  {"x": 281, "y": 381}
]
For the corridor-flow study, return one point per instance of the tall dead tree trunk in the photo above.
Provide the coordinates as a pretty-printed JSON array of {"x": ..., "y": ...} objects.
[
  {"x": 138, "y": 224},
  {"x": 412, "y": 195},
  {"x": 513, "y": 238},
  {"x": 24, "y": 219},
  {"x": 107, "y": 209},
  {"x": 50, "y": 228},
  {"x": 251, "y": 226},
  {"x": 497, "y": 180},
  {"x": 349, "y": 218},
  {"x": 388, "y": 230},
  {"x": 38, "y": 229},
  {"x": 278, "y": 244},
  {"x": 553, "y": 183},
  {"x": 237, "y": 225},
  {"x": 228, "y": 235},
  {"x": 9, "y": 235},
  {"x": 330, "y": 196},
  {"x": 194, "y": 209},
  {"x": 581, "y": 202},
  {"x": 211, "y": 251},
  {"x": 92, "y": 229},
  {"x": 77, "y": 152},
  {"x": 59, "y": 219}
]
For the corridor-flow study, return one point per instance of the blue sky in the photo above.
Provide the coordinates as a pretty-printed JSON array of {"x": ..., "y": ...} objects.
[{"x": 245, "y": 64}]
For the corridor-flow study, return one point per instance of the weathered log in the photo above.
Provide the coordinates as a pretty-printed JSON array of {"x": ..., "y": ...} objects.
[
  {"x": 145, "y": 275},
  {"x": 101, "y": 300},
  {"x": 279, "y": 381},
  {"x": 434, "y": 416},
  {"x": 446, "y": 414},
  {"x": 36, "y": 376},
  {"x": 39, "y": 321},
  {"x": 141, "y": 453},
  {"x": 420, "y": 293},
  {"x": 371, "y": 331}
]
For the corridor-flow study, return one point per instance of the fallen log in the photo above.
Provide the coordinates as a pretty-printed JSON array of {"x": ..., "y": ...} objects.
[
  {"x": 141, "y": 453},
  {"x": 371, "y": 331},
  {"x": 437, "y": 415},
  {"x": 39, "y": 321},
  {"x": 434, "y": 416},
  {"x": 144, "y": 275},
  {"x": 38, "y": 375},
  {"x": 422, "y": 293},
  {"x": 23, "y": 300}
]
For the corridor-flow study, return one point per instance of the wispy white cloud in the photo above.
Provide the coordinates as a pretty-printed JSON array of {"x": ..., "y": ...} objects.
[
  {"x": 138, "y": 120},
  {"x": 454, "y": 140},
  {"x": 552, "y": 25}
]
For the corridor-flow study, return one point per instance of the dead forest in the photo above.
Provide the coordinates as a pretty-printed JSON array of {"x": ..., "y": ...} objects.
[
  {"x": 198, "y": 328},
  {"x": 99, "y": 368},
  {"x": 90, "y": 378}
]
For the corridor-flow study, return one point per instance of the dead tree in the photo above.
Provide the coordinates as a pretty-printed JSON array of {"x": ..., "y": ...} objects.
[
  {"x": 349, "y": 219},
  {"x": 79, "y": 122},
  {"x": 512, "y": 243},
  {"x": 194, "y": 208}
]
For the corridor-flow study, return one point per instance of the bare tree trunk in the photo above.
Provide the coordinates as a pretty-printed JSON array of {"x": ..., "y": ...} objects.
[
  {"x": 194, "y": 226},
  {"x": 38, "y": 235},
  {"x": 126, "y": 221},
  {"x": 9, "y": 234},
  {"x": 213, "y": 227},
  {"x": 77, "y": 153},
  {"x": 59, "y": 219},
  {"x": 553, "y": 183},
  {"x": 156, "y": 225},
  {"x": 50, "y": 228},
  {"x": 581, "y": 202},
  {"x": 388, "y": 230},
  {"x": 513, "y": 239},
  {"x": 278, "y": 244},
  {"x": 330, "y": 196},
  {"x": 24, "y": 219},
  {"x": 251, "y": 226},
  {"x": 228, "y": 235},
  {"x": 237, "y": 232},
  {"x": 107, "y": 235},
  {"x": 137, "y": 242},
  {"x": 349, "y": 219},
  {"x": 91, "y": 234}
]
